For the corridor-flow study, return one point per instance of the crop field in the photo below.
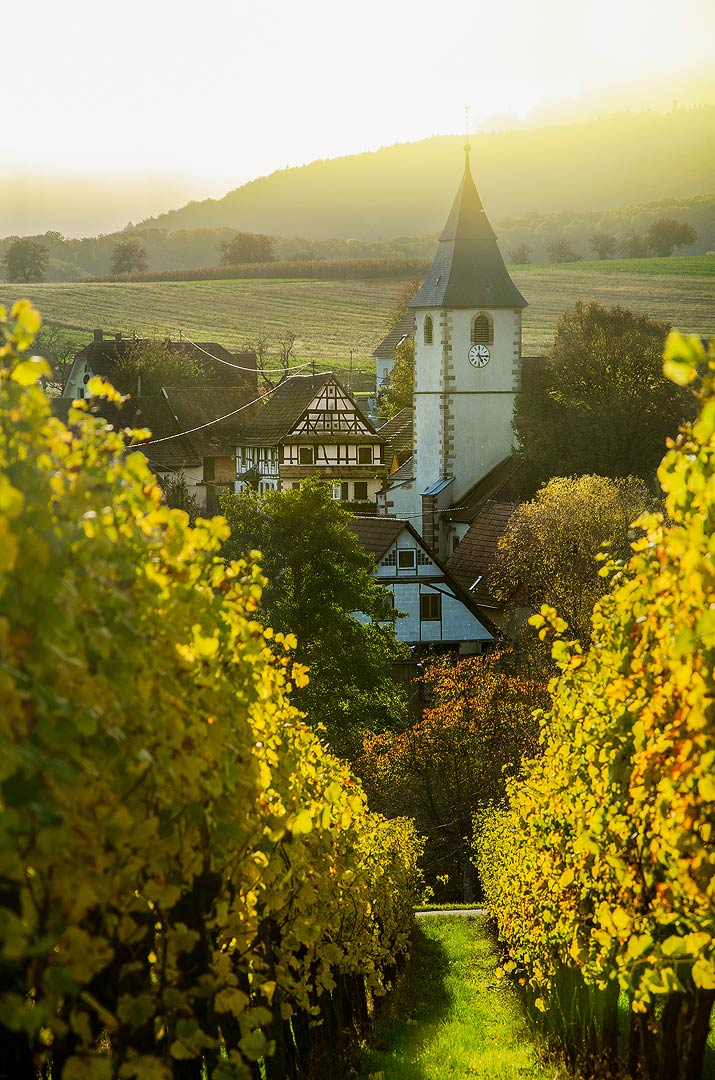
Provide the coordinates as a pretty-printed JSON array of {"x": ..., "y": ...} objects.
[{"x": 331, "y": 318}]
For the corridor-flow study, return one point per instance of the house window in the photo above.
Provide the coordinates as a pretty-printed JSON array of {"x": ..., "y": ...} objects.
[
  {"x": 406, "y": 559},
  {"x": 340, "y": 492},
  {"x": 364, "y": 455},
  {"x": 306, "y": 455},
  {"x": 360, "y": 491},
  {"x": 429, "y": 330},
  {"x": 430, "y": 607},
  {"x": 295, "y": 486},
  {"x": 482, "y": 330}
]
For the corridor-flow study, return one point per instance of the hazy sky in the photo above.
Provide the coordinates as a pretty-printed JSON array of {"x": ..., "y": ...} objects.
[{"x": 221, "y": 91}]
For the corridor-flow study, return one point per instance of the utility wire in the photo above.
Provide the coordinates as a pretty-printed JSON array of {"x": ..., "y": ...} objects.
[
  {"x": 199, "y": 427},
  {"x": 239, "y": 367}
]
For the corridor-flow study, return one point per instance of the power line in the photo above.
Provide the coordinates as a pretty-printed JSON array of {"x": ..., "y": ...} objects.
[
  {"x": 239, "y": 367},
  {"x": 199, "y": 427}
]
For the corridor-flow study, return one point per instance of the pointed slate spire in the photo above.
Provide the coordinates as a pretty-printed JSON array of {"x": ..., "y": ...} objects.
[{"x": 468, "y": 270}]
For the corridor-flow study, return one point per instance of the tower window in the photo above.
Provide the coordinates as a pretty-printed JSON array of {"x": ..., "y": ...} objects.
[
  {"x": 429, "y": 330},
  {"x": 482, "y": 330}
]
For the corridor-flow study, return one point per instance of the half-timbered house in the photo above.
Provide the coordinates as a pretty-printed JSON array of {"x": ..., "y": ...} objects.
[{"x": 311, "y": 426}]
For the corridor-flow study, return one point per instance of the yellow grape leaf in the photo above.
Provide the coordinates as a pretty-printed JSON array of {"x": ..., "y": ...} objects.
[
  {"x": 302, "y": 823},
  {"x": 30, "y": 371}
]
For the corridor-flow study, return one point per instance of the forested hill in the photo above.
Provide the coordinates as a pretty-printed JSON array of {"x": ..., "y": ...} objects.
[{"x": 612, "y": 161}]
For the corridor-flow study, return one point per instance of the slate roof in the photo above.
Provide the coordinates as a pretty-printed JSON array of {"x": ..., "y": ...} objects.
[
  {"x": 398, "y": 433},
  {"x": 286, "y": 405},
  {"x": 194, "y": 406},
  {"x": 406, "y": 471},
  {"x": 402, "y": 329},
  {"x": 468, "y": 270},
  {"x": 472, "y": 557}
]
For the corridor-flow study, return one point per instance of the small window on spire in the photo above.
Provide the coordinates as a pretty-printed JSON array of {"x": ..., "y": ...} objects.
[
  {"x": 482, "y": 330},
  {"x": 429, "y": 330}
]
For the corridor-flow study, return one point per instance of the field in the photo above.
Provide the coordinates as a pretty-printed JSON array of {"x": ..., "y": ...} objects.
[{"x": 332, "y": 318}]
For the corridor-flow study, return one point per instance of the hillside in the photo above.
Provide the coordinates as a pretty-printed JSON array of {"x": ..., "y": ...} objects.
[
  {"x": 404, "y": 189},
  {"x": 332, "y": 318}
]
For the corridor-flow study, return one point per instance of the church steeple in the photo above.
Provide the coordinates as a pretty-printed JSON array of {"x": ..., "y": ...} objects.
[{"x": 468, "y": 270}]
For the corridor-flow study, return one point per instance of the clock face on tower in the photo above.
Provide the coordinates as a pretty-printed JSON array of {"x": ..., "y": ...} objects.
[{"x": 478, "y": 355}]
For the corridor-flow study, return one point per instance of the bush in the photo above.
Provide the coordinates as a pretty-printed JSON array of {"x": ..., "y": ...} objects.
[{"x": 186, "y": 875}]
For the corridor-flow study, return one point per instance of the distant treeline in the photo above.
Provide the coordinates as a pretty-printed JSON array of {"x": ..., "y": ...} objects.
[
  {"x": 183, "y": 250},
  {"x": 322, "y": 269}
]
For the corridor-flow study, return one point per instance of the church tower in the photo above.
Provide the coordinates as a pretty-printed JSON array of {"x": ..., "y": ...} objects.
[{"x": 467, "y": 360}]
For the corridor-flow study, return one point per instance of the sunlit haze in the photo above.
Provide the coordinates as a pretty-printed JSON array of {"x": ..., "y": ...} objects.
[{"x": 202, "y": 98}]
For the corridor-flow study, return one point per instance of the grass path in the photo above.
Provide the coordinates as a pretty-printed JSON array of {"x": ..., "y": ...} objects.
[{"x": 454, "y": 1019}]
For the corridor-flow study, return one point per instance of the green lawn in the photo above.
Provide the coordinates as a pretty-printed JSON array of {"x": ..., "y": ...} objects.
[
  {"x": 333, "y": 317},
  {"x": 453, "y": 1019}
]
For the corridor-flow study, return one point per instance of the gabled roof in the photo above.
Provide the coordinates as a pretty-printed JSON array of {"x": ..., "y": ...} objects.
[
  {"x": 378, "y": 534},
  {"x": 196, "y": 406},
  {"x": 468, "y": 270},
  {"x": 471, "y": 559},
  {"x": 398, "y": 434},
  {"x": 405, "y": 327},
  {"x": 406, "y": 471},
  {"x": 286, "y": 406}
]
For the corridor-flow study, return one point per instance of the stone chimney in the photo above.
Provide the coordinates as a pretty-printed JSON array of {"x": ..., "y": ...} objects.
[{"x": 98, "y": 335}]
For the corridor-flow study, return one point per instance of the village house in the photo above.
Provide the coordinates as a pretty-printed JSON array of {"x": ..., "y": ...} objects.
[
  {"x": 438, "y": 614},
  {"x": 311, "y": 426}
]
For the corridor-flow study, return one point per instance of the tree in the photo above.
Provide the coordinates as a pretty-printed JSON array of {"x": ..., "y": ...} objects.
[
  {"x": 318, "y": 577},
  {"x": 441, "y": 771},
  {"x": 635, "y": 246},
  {"x": 601, "y": 403},
  {"x": 520, "y": 254},
  {"x": 178, "y": 496},
  {"x": 59, "y": 347},
  {"x": 548, "y": 553},
  {"x": 147, "y": 366},
  {"x": 129, "y": 256},
  {"x": 666, "y": 234},
  {"x": 247, "y": 248},
  {"x": 25, "y": 259},
  {"x": 603, "y": 243},
  {"x": 397, "y": 390},
  {"x": 560, "y": 251}
]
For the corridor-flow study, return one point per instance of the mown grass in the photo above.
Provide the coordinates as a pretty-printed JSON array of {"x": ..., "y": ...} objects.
[
  {"x": 453, "y": 1019},
  {"x": 332, "y": 318}
]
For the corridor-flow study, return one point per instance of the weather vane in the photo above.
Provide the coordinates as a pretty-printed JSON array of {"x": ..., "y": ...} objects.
[{"x": 466, "y": 111}]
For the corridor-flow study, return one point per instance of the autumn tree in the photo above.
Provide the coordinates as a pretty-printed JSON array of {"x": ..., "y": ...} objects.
[
  {"x": 128, "y": 257},
  {"x": 601, "y": 403},
  {"x": 146, "y": 366},
  {"x": 397, "y": 390},
  {"x": 473, "y": 731},
  {"x": 247, "y": 248},
  {"x": 548, "y": 553},
  {"x": 603, "y": 243},
  {"x": 25, "y": 259},
  {"x": 666, "y": 234},
  {"x": 319, "y": 576}
]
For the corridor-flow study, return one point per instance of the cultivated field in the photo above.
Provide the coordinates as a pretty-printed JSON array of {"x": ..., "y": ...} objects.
[{"x": 333, "y": 317}]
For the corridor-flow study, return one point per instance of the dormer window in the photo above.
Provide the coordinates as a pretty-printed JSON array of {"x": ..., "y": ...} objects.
[
  {"x": 429, "y": 330},
  {"x": 482, "y": 330}
]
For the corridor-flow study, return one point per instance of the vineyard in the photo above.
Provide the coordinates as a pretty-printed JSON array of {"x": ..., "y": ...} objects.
[
  {"x": 601, "y": 872},
  {"x": 190, "y": 884},
  {"x": 333, "y": 318}
]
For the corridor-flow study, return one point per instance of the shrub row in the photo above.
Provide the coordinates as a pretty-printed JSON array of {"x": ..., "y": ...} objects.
[
  {"x": 601, "y": 874},
  {"x": 316, "y": 269},
  {"x": 188, "y": 880}
]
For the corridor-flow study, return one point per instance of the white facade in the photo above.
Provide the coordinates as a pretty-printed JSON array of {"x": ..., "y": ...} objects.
[
  {"x": 463, "y": 412},
  {"x": 428, "y": 598}
]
